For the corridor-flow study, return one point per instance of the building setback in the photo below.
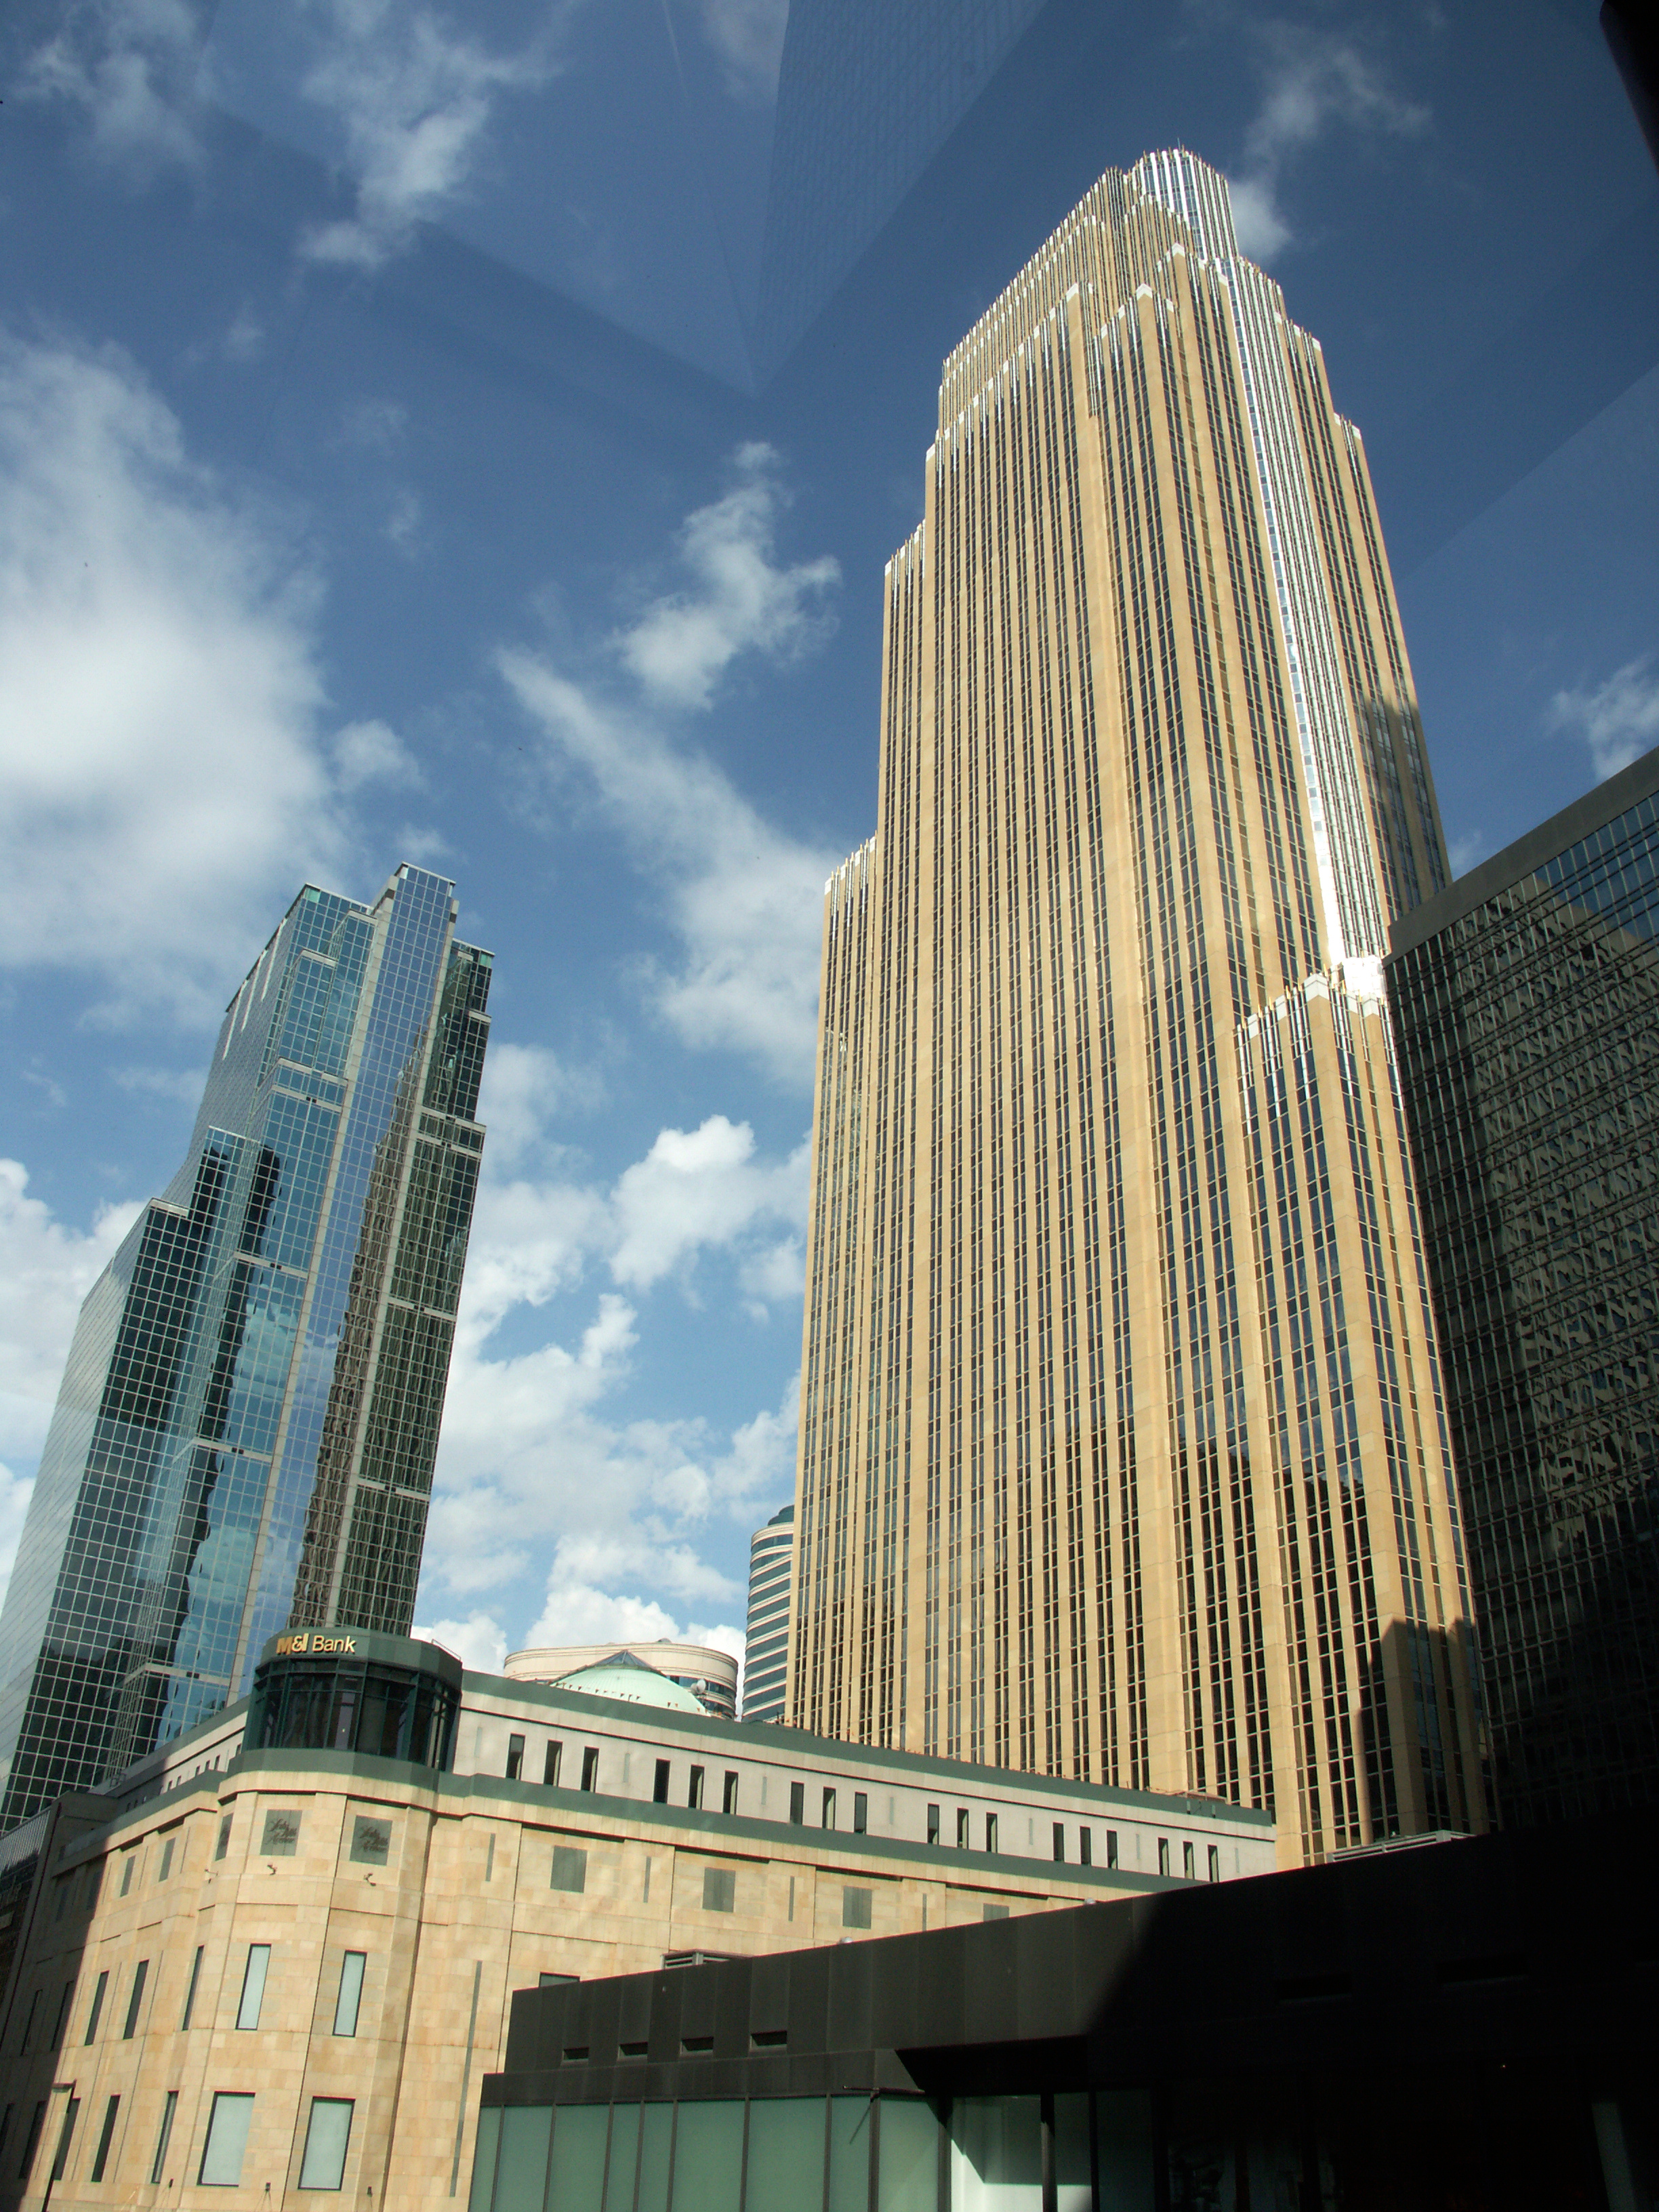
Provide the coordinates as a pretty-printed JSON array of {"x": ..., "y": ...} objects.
[
  {"x": 255, "y": 1926},
  {"x": 766, "y": 1636},
  {"x": 1122, "y": 1453},
  {"x": 1526, "y": 1001},
  {"x": 246, "y": 1425}
]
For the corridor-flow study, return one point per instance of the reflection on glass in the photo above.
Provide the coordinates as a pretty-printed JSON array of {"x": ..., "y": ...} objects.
[
  {"x": 850, "y": 2153},
  {"x": 521, "y": 2168},
  {"x": 786, "y": 2153},
  {"x": 625, "y": 2159},
  {"x": 996, "y": 2155},
  {"x": 578, "y": 2170},
  {"x": 708, "y": 2156},
  {"x": 908, "y": 2159},
  {"x": 656, "y": 2144}
]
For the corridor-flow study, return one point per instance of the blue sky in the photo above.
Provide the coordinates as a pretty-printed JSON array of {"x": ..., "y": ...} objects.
[{"x": 479, "y": 442}]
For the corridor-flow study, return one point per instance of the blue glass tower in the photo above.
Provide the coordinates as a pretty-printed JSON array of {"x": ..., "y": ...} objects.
[{"x": 246, "y": 1427}]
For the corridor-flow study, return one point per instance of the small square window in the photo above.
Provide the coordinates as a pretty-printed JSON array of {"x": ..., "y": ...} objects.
[
  {"x": 995, "y": 1912},
  {"x": 856, "y": 1907},
  {"x": 720, "y": 1889},
  {"x": 371, "y": 1841},
  {"x": 281, "y": 1836},
  {"x": 569, "y": 1868}
]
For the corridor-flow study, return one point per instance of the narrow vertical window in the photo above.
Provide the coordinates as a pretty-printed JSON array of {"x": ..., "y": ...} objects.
[
  {"x": 1111, "y": 1847},
  {"x": 962, "y": 1838},
  {"x": 694, "y": 1793},
  {"x": 165, "y": 2136},
  {"x": 798, "y": 1804},
  {"x": 1164, "y": 1855},
  {"x": 829, "y": 1821},
  {"x": 1215, "y": 1863},
  {"x": 1085, "y": 1846},
  {"x": 1060, "y": 1841},
  {"x": 860, "y": 1813},
  {"x": 351, "y": 1992},
  {"x": 165, "y": 1867},
  {"x": 729, "y": 1795},
  {"x": 253, "y": 1985},
  {"x": 99, "y": 1990},
  {"x": 327, "y": 2133},
  {"x": 551, "y": 1766},
  {"x": 63, "y": 2014},
  {"x": 490, "y": 1858},
  {"x": 990, "y": 1831},
  {"x": 106, "y": 2135},
  {"x": 227, "y": 2141},
  {"x": 659, "y": 1783},
  {"x": 591, "y": 1767},
  {"x": 514, "y": 1757},
  {"x": 932, "y": 1824},
  {"x": 31, "y": 2141},
  {"x": 190, "y": 1994},
  {"x": 29, "y": 2024},
  {"x": 1189, "y": 1862},
  {"x": 140, "y": 1975},
  {"x": 128, "y": 1868},
  {"x": 65, "y": 2138},
  {"x": 223, "y": 1843}
]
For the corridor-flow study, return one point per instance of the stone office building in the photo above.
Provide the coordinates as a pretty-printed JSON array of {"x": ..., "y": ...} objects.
[{"x": 281, "y": 1955}]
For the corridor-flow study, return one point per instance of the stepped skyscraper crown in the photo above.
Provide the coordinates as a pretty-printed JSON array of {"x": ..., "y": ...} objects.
[
  {"x": 1122, "y": 1451},
  {"x": 246, "y": 1427}
]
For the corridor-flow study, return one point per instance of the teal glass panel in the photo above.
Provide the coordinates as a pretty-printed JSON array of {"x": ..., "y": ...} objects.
[
  {"x": 785, "y": 2155},
  {"x": 708, "y": 2156},
  {"x": 1073, "y": 2190},
  {"x": 624, "y": 2169},
  {"x": 996, "y": 2155},
  {"x": 482, "y": 2192},
  {"x": 656, "y": 2138},
  {"x": 521, "y": 2172},
  {"x": 578, "y": 2175},
  {"x": 849, "y": 2154},
  {"x": 1123, "y": 2119},
  {"x": 908, "y": 2156}
]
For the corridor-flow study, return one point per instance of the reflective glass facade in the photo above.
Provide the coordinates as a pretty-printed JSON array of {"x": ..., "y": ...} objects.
[
  {"x": 1527, "y": 1007},
  {"x": 383, "y": 1698},
  {"x": 766, "y": 1641},
  {"x": 248, "y": 1419}
]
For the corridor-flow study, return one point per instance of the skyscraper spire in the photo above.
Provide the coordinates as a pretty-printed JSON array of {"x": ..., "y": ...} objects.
[{"x": 1121, "y": 1451}]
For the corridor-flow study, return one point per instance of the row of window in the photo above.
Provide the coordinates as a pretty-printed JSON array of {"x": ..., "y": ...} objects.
[{"x": 224, "y": 2147}]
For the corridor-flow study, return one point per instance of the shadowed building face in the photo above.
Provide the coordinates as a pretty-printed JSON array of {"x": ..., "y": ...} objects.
[{"x": 1123, "y": 1454}]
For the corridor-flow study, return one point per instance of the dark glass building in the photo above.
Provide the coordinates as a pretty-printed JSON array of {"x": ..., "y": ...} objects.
[
  {"x": 1526, "y": 1004},
  {"x": 246, "y": 1426}
]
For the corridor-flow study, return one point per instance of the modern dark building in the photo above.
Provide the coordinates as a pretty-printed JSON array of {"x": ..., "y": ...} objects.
[
  {"x": 246, "y": 1426},
  {"x": 1466, "y": 2024},
  {"x": 1526, "y": 1006}
]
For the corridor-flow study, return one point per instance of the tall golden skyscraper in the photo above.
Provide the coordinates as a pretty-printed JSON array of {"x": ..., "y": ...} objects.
[{"x": 1122, "y": 1451}]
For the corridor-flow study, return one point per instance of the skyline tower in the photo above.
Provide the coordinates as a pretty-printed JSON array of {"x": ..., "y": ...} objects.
[
  {"x": 1122, "y": 1449},
  {"x": 766, "y": 1632},
  {"x": 246, "y": 1425}
]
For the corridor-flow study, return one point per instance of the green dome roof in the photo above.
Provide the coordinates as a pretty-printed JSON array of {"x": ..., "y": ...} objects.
[{"x": 624, "y": 1676}]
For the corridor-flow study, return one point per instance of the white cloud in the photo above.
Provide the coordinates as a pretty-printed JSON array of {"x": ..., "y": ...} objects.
[
  {"x": 478, "y": 1642},
  {"x": 370, "y": 752},
  {"x": 747, "y": 36},
  {"x": 741, "y": 600},
  {"x": 131, "y": 67},
  {"x": 413, "y": 96},
  {"x": 1315, "y": 81},
  {"x": 160, "y": 781},
  {"x": 525, "y": 1085},
  {"x": 699, "y": 1186},
  {"x": 184, "y": 1085},
  {"x": 244, "y": 340},
  {"x": 402, "y": 522},
  {"x": 1465, "y": 852},
  {"x": 1618, "y": 720}
]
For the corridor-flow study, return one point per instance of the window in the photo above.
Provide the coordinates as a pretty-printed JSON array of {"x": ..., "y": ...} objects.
[
  {"x": 962, "y": 1838},
  {"x": 165, "y": 2136},
  {"x": 140, "y": 1975},
  {"x": 798, "y": 1804},
  {"x": 551, "y": 1766},
  {"x": 554, "y": 1981},
  {"x": 100, "y": 2156},
  {"x": 829, "y": 1821},
  {"x": 165, "y": 1867},
  {"x": 1085, "y": 1846},
  {"x": 227, "y": 2140},
  {"x": 327, "y": 2133},
  {"x": 62, "y": 1889},
  {"x": 569, "y": 1868},
  {"x": 253, "y": 1985},
  {"x": 932, "y": 1824},
  {"x": 223, "y": 1843},
  {"x": 1189, "y": 1862},
  {"x": 515, "y": 1769},
  {"x": 659, "y": 1786},
  {"x": 371, "y": 1841},
  {"x": 189, "y": 1993},
  {"x": 1215, "y": 1863},
  {"x": 591, "y": 1767},
  {"x": 350, "y": 1995},
  {"x": 29, "y": 2024},
  {"x": 1164, "y": 1855},
  {"x": 128, "y": 1868},
  {"x": 1060, "y": 1841},
  {"x": 65, "y": 2136},
  {"x": 490, "y": 1858},
  {"x": 32, "y": 2139},
  {"x": 990, "y": 1831},
  {"x": 856, "y": 1907},
  {"x": 281, "y": 1839},
  {"x": 995, "y": 1912},
  {"x": 720, "y": 1889},
  {"x": 63, "y": 2014},
  {"x": 860, "y": 1813},
  {"x": 729, "y": 1795},
  {"x": 98, "y": 1995},
  {"x": 1111, "y": 1847},
  {"x": 694, "y": 1795}
]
